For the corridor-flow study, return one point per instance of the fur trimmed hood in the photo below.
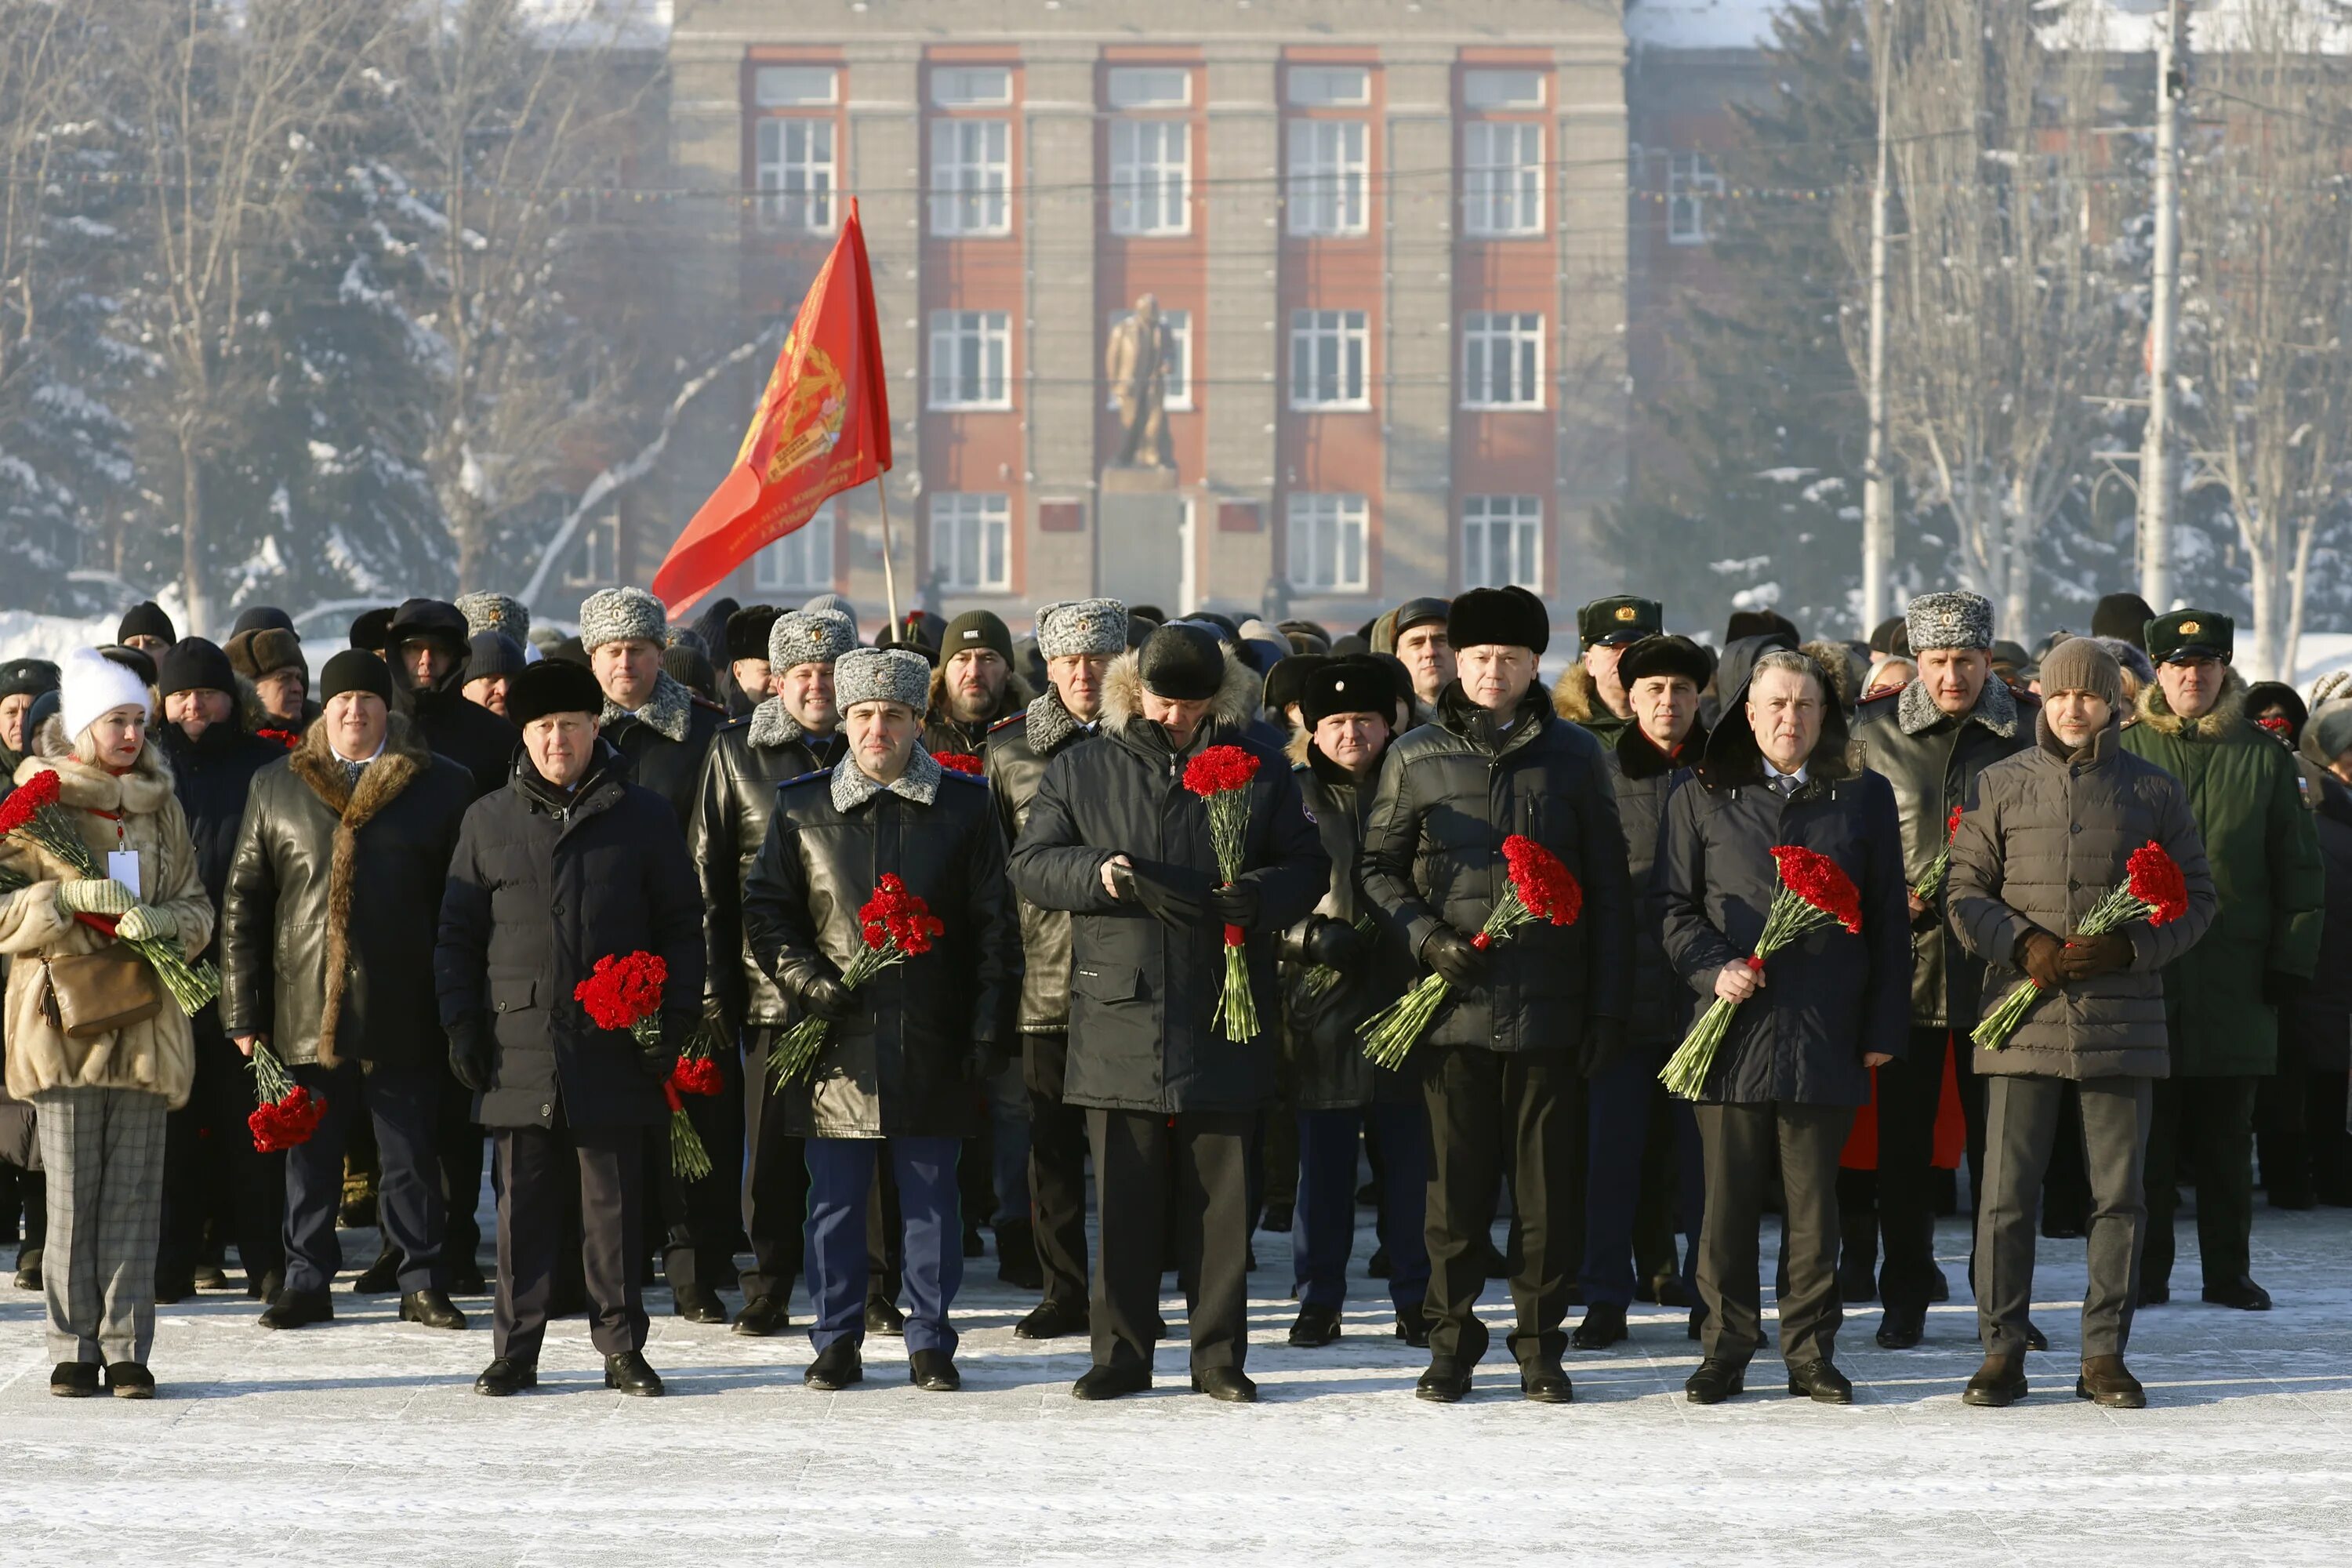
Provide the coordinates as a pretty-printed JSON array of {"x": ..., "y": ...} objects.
[
  {"x": 1235, "y": 706},
  {"x": 1996, "y": 710},
  {"x": 1571, "y": 694},
  {"x": 1731, "y": 759},
  {"x": 2227, "y": 709}
]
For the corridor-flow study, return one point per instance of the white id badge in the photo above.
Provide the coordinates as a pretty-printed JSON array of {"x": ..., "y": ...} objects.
[{"x": 123, "y": 865}]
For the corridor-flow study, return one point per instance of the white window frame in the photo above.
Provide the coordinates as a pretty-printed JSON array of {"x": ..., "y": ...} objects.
[
  {"x": 1502, "y": 178},
  {"x": 972, "y": 360},
  {"x": 596, "y": 555},
  {"x": 971, "y": 87},
  {"x": 1330, "y": 348},
  {"x": 971, "y": 530},
  {"x": 1328, "y": 87},
  {"x": 796, "y": 86},
  {"x": 1178, "y": 383},
  {"x": 1329, "y": 167},
  {"x": 1506, "y": 87},
  {"x": 1691, "y": 179},
  {"x": 1150, "y": 178},
  {"x": 972, "y": 176},
  {"x": 1329, "y": 543},
  {"x": 1150, "y": 86},
  {"x": 796, "y": 187},
  {"x": 1520, "y": 520},
  {"x": 1506, "y": 346},
  {"x": 800, "y": 562}
]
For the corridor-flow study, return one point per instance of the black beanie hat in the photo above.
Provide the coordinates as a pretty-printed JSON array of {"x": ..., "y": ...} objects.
[
  {"x": 1354, "y": 685},
  {"x": 1286, "y": 683},
  {"x": 262, "y": 617},
  {"x": 747, "y": 632},
  {"x": 2123, "y": 616},
  {"x": 691, "y": 668},
  {"x": 1667, "y": 655},
  {"x": 145, "y": 619},
  {"x": 354, "y": 669},
  {"x": 435, "y": 622},
  {"x": 28, "y": 678},
  {"x": 193, "y": 664},
  {"x": 976, "y": 628},
  {"x": 494, "y": 654},
  {"x": 1758, "y": 624},
  {"x": 1509, "y": 617},
  {"x": 372, "y": 630},
  {"x": 1182, "y": 662},
  {"x": 553, "y": 686}
]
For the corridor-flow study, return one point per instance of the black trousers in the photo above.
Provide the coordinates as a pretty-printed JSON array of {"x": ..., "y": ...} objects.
[
  {"x": 2026, "y": 1120},
  {"x": 775, "y": 1188},
  {"x": 2211, "y": 1121},
  {"x": 401, "y": 1104},
  {"x": 1057, "y": 1168},
  {"x": 458, "y": 1146},
  {"x": 212, "y": 1173},
  {"x": 1492, "y": 1112},
  {"x": 2282, "y": 1143},
  {"x": 702, "y": 1220},
  {"x": 1152, "y": 1170},
  {"x": 1739, "y": 1143},
  {"x": 605, "y": 1167},
  {"x": 1910, "y": 1089}
]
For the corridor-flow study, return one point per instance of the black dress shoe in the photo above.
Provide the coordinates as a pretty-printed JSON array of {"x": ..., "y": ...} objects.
[
  {"x": 975, "y": 1246},
  {"x": 1545, "y": 1381},
  {"x": 1278, "y": 1219},
  {"x": 935, "y": 1371},
  {"x": 1857, "y": 1277},
  {"x": 2035, "y": 1340},
  {"x": 466, "y": 1280},
  {"x": 298, "y": 1309},
  {"x": 1901, "y": 1327},
  {"x": 1016, "y": 1255},
  {"x": 1316, "y": 1327},
  {"x": 381, "y": 1277},
  {"x": 1673, "y": 1292},
  {"x": 74, "y": 1379},
  {"x": 2155, "y": 1292},
  {"x": 171, "y": 1292},
  {"x": 1714, "y": 1381},
  {"x": 697, "y": 1304},
  {"x": 1053, "y": 1321},
  {"x": 1446, "y": 1381},
  {"x": 266, "y": 1289},
  {"x": 1111, "y": 1383},
  {"x": 1603, "y": 1325},
  {"x": 28, "y": 1276},
  {"x": 1999, "y": 1383},
  {"x": 629, "y": 1373},
  {"x": 130, "y": 1380},
  {"x": 2292, "y": 1199},
  {"x": 431, "y": 1308},
  {"x": 2106, "y": 1381},
  {"x": 2242, "y": 1293},
  {"x": 835, "y": 1368},
  {"x": 1225, "y": 1385},
  {"x": 1820, "y": 1383},
  {"x": 1939, "y": 1289},
  {"x": 1698, "y": 1321},
  {"x": 884, "y": 1318},
  {"x": 1413, "y": 1326},
  {"x": 763, "y": 1316},
  {"x": 1377, "y": 1266},
  {"x": 504, "y": 1376},
  {"x": 209, "y": 1277}
]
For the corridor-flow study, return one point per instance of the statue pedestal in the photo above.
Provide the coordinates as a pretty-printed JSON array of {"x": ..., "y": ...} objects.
[{"x": 1138, "y": 536}]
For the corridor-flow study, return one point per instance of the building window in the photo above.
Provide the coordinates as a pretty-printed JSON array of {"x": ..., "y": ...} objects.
[
  {"x": 799, "y": 562},
  {"x": 1691, "y": 180},
  {"x": 1330, "y": 87},
  {"x": 1150, "y": 86},
  {"x": 795, "y": 86},
  {"x": 1178, "y": 381},
  {"x": 972, "y": 174},
  {"x": 971, "y": 353},
  {"x": 1328, "y": 176},
  {"x": 971, "y": 543},
  {"x": 1502, "y": 360},
  {"x": 1503, "y": 89},
  {"x": 796, "y": 174},
  {"x": 1328, "y": 351},
  {"x": 1150, "y": 176},
  {"x": 1501, "y": 541},
  {"x": 1502, "y": 177},
  {"x": 596, "y": 558},
  {"x": 971, "y": 87},
  {"x": 1327, "y": 543}
]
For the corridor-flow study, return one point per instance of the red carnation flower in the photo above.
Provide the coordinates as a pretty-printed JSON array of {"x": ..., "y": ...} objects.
[
  {"x": 280, "y": 1124},
  {"x": 2155, "y": 882},
  {"x": 1549, "y": 890},
  {"x": 698, "y": 1075},
  {"x": 1219, "y": 769},
  {"x": 1820, "y": 882},
  {"x": 1952, "y": 824},
  {"x": 624, "y": 992},
  {"x": 2277, "y": 724},
  {"x": 960, "y": 762},
  {"x": 34, "y": 794},
  {"x": 286, "y": 738}
]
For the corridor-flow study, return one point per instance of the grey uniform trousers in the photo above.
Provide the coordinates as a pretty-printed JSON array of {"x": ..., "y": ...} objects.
[
  {"x": 2021, "y": 1124},
  {"x": 1739, "y": 1143},
  {"x": 103, "y": 1151}
]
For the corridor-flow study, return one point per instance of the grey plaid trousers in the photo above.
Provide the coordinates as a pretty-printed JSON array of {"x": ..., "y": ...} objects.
[{"x": 104, "y": 1152}]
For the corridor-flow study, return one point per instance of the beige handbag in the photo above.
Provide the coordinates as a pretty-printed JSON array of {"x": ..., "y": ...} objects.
[{"x": 88, "y": 994}]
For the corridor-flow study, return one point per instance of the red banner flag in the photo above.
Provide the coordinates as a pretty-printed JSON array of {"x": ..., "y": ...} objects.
[{"x": 823, "y": 424}]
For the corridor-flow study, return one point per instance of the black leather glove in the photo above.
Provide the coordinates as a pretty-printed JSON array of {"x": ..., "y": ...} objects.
[
  {"x": 981, "y": 1062},
  {"x": 1176, "y": 895},
  {"x": 2279, "y": 987},
  {"x": 829, "y": 999},
  {"x": 2037, "y": 954},
  {"x": 1604, "y": 1045},
  {"x": 2087, "y": 957},
  {"x": 1454, "y": 957},
  {"x": 1236, "y": 904},
  {"x": 659, "y": 1058},
  {"x": 473, "y": 1050},
  {"x": 1336, "y": 944}
]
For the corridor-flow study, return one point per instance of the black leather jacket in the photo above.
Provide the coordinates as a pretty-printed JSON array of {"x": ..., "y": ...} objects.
[
  {"x": 748, "y": 759},
  {"x": 1018, "y": 750}
]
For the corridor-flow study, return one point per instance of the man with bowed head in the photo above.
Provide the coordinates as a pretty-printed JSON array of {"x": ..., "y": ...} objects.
[
  {"x": 1502, "y": 1067},
  {"x": 2051, "y": 831},
  {"x": 568, "y": 864}
]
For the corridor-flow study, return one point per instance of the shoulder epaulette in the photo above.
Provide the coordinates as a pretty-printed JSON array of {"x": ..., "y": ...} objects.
[
  {"x": 1020, "y": 718},
  {"x": 959, "y": 773}
]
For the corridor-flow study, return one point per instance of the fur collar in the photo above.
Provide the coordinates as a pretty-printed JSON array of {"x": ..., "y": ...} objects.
[
  {"x": 1637, "y": 758},
  {"x": 141, "y": 792},
  {"x": 773, "y": 725},
  {"x": 919, "y": 782},
  {"x": 1996, "y": 708},
  {"x": 1571, "y": 694},
  {"x": 2157, "y": 714},
  {"x": 669, "y": 713},
  {"x": 1235, "y": 704},
  {"x": 1049, "y": 725}
]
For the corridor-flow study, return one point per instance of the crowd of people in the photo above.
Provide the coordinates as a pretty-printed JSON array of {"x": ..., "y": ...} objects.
[{"x": 941, "y": 928}]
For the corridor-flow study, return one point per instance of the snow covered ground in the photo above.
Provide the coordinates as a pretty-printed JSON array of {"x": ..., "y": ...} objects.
[{"x": 359, "y": 1443}]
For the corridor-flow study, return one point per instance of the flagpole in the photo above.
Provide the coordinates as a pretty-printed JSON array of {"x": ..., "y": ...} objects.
[{"x": 889, "y": 578}]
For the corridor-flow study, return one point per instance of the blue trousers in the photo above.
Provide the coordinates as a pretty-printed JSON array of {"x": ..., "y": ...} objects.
[
  {"x": 405, "y": 1104},
  {"x": 840, "y": 1175},
  {"x": 1623, "y": 1102},
  {"x": 1324, "y": 1228}
]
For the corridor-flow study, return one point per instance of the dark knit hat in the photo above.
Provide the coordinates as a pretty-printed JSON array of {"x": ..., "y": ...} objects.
[
  {"x": 1355, "y": 685},
  {"x": 2266, "y": 699},
  {"x": 193, "y": 664},
  {"x": 257, "y": 651},
  {"x": 1622, "y": 619},
  {"x": 684, "y": 662},
  {"x": 262, "y": 617},
  {"x": 1759, "y": 622},
  {"x": 1892, "y": 636},
  {"x": 1286, "y": 683},
  {"x": 372, "y": 630},
  {"x": 2123, "y": 616},
  {"x": 977, "y": 628},
  {"x": 145, "y": 619},
  {"x": 1508, "y": 618},
  {"x": 747, "y": 632},
  {"x": 1421, "y": 612},
  {"x": 28, "y": 678},
  {"x": 553, "y": 686},
  {"x": 2191, "y": 633},
  {"x": 354, "y": 669},
  {"x": 1665, "y": 656},
  {"x": 494, "y": 654},
  {"x": 2083, "y": 664},
  {"x": 1182, "y": 662},
  {"x": 434, "y": 622}
]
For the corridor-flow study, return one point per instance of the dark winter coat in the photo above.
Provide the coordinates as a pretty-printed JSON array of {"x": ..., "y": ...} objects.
[
  {"x": 1645, "y": 780},
  {"x": 1932, "y": 762},
  {"x": 2045, "y": 839},
  {"x": 1018, "y": 750},
  {"x": 466, "y": 732},
  {"x": 943, "y": 732},
  {"x": 1142, "y": 993},
  {"x": 748, "y": 759},
  {"x": 212, "y": 775},
  {"x": 662, "y": 745},
  {"x": 2264, "y": 854},
  {"x": 541, "y": 888},
  {"x": 1828, "y": 997},
  {"x": 898, "y": 1068},
  {"x": 2321, "y": 1017},
  {"x": 1449, "y": 794},
  {"x": 327, "y": 928},
  {"x": 1328, "y": 1068}
]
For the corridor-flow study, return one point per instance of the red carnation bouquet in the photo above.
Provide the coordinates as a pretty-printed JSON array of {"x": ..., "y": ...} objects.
[
  {"x": 957, "y": 761},
  {"x": 286, "y": 738},
  {"x": 1540, "y": 887},
  {"x": 893, "y": 925},
  {"x": 1221, "y": 776},
  {"x": 1931, "y": 882},
  {"x": 2152, "y": 890},
  {"x": 286, "y": 1113},
  {"x": 623, "y": 991},
  {"x": 34, "y": 811},
  {"x": 1814, "y": 894}
]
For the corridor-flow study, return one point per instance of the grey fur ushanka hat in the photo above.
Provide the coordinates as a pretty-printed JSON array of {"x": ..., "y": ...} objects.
[
  {"x": 1082, "y": 625},
  {"x": 882, "y": 675},
  {"x": 618, "y": 614},
  {"x": 1959, "y": 619},
  {"x": 809, "y": 637}
]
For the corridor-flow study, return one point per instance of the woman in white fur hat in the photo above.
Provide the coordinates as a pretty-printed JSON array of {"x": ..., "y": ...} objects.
[{"x": 100, "y": 1100}]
